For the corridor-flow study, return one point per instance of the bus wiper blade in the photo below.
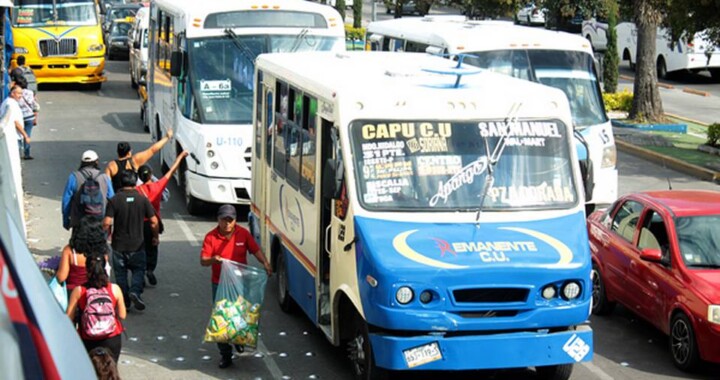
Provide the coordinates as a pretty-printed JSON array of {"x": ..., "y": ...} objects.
[
  {"x": 244, "y": 49},
  {"x": 494, "y": 157},
  {"x": 298, "y": 39}
]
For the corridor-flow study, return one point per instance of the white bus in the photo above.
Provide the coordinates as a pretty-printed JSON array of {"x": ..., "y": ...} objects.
[
  {"x": 428, "y": 226},
  {"x": 556, "y": 59},
  {"x": 200, "y": 82},
  {"x": 692, "y": 55}
]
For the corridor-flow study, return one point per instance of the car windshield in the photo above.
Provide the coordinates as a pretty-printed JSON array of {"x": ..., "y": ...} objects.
[
  {"x": 221, "y": 71},
  {"x": 44, "y": 12},
  {"x": 418, "y": 165},
  {"x": 120, "y": 29},
  {"x": 570, "y": 71},
  {"x": 699, "y": 240},
  {"x": 116, "y": 13}
]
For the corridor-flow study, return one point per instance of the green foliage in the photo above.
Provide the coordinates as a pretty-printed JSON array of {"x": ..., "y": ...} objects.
[
  {"x": 618, "y": 101},
  {"x": 340, "y": 7},
  {"x": 611, "y": 57},
  {"x": 357, "y": 13},
  {"x": 713, "y": 134},
  {"x": 353, "y": 33},
  {"x": 482, "y": 9}
]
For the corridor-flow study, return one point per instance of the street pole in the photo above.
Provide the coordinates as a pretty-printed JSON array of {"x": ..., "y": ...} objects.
[{"x": 374, "y": 11}]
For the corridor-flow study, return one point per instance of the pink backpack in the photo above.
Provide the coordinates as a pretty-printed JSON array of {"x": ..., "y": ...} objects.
[{"x": 98, "y": 319}]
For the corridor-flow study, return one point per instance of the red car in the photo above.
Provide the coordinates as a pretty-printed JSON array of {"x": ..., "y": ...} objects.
[{"x": 658, "y": 254}]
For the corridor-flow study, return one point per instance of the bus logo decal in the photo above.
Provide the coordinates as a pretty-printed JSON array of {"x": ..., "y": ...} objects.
[
  {"x": 401, "y": 246},
  {"x": 292, "y": 222},
  {"x": 444, "y": 247}
]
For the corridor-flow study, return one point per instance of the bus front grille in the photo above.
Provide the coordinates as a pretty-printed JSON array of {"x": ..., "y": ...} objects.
[
  {"x": 490, "y": 295},
  {"x": 61, "y": 47}
]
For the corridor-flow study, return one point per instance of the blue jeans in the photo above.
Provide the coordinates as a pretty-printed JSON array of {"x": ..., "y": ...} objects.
[
  {"x": 224, "y": 348},
  {"x": 29, "y": 123},
  {"x": 133, "y": 262}
]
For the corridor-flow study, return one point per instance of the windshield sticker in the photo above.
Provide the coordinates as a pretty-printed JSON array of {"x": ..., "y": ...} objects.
[
  {"x": 428, "y": 145},
  {"x": 528, "y": 195},
  {"x": 464, "y": 177},
  {"x": 388, "y": 170},
  {"x": 405, "y": 130},
  {"x": 216, "y": 89},
  {"x": 438, "y": 165},
  {"x": 383, "y": 190},
  {"x": 520, "y": 129}
]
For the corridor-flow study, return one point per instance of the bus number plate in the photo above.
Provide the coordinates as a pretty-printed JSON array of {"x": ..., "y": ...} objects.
[{"x": 422, "y": 355}]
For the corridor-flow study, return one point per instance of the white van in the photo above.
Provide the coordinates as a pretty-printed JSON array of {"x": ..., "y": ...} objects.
[{"x": 139, "y": 45}]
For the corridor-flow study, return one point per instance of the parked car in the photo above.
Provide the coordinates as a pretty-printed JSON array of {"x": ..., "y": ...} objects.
[
  {"x": 658, "y": 254},
  {"x": 138, "y": 39},
  {"x": 117, "y": 39},
  {"x": 595, "y": 31},
  {"x": 531, "y": 15},
  {"x": 409, "y": 7},
  {"x": 570, "y": 24}
]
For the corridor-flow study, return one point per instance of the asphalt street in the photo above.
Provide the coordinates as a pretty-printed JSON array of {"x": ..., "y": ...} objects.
[{"x": 165, "y": 341}]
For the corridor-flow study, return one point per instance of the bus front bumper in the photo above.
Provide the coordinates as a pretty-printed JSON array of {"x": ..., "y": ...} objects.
[
  {"x": 70, "y": 70},
  {"x": 494, "y": 351},
  {"x": 219, "y": 190}
]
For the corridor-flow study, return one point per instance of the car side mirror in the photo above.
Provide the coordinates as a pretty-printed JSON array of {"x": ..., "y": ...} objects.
[
  {"x": 136, "y": 44},
  {"x": 652, "y": 255}
]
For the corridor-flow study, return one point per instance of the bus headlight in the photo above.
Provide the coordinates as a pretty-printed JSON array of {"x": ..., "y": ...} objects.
[
  {"x": 714, "y": 314},
  {"x": 214, "y": 165},
  {"x": 571, "y": 290},
  {"x": 609, "y": 157},
  {"x": 404, "y": 295},
  {"x": 95, "y": 47},
  {"x": 20, "y": 50},
  {"x": 549, "y": 292},
  {"x": 211, "y": 153}
]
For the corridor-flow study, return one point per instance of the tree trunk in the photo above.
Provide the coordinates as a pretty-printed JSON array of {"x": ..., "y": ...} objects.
[{"x": 647, "y": 105}]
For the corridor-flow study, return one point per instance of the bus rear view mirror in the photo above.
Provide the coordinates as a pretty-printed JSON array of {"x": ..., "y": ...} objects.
[{"x": 176, "y": 62}]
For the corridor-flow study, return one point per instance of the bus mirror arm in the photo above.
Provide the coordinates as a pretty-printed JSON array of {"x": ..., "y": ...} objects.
[
  {"x": 349, "y": 245},
  {"x": 192, "y": 155}
]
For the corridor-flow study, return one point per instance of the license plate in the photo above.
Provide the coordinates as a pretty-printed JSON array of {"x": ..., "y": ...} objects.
[{"x": 422, "y": 355}]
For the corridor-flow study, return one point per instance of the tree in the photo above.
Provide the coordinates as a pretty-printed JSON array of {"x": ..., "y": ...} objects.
[
  {"x": 357, "y": 13},
  {"x": 647, "y": 105},
  {"x": 340, "y": 6},
  {"x": 611, "y": 58}
]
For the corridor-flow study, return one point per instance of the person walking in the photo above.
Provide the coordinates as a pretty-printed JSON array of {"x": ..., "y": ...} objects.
[
  {"x": 228, "y": 241},
  {"x": 127, "y": 161},
  {"x": 101, "y": 306},
  {"x": 153, "y": 191},
  {"x": 124, "y": 218},
  {"x": 72, "y": 204},
  {"x": 26, "y": 72},
  {"x": 29, "y": 107},
  {"x": 12, "y": 118},
  {"x": 89, "y": 240}
]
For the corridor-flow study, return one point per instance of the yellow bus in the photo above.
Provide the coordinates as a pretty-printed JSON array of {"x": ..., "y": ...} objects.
[{"x": 61, "y": 40}]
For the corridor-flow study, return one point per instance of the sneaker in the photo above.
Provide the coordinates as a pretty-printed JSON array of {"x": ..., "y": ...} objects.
[
  {"x": 240, "y": 348},
  {"x": 28, "y": 158},
  {"x": 151, "y": 278},
  {"x": 225, "y": 361},
  {"x": 137, "y": 301}
]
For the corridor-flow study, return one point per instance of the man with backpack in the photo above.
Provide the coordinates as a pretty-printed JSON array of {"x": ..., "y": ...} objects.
[
  {"x": 127, "y": 161},
  {"x": 23, "y": 71},
  {"x": 86, "y": 193}
]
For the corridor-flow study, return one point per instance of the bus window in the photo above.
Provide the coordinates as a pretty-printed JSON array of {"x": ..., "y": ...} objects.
[
  {"x": 280, "y": 133},
  {"x": 307, "y": 179}
]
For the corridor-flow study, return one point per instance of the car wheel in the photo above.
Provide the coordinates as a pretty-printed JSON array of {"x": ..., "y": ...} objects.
[
  {"x": 600, "y": 303},
  {"x": 284, "y": 299},
  {"x": 361, "y": 354},
  {"x": 554, "y": 372},
  {"x": 683, "y": 345}
]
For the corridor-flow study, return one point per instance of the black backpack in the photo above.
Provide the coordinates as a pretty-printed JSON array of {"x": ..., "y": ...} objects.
[{"x": 89, "y": 197}]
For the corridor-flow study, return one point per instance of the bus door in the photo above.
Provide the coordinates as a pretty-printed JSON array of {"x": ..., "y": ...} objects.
[{"x": 261, "y": 170}]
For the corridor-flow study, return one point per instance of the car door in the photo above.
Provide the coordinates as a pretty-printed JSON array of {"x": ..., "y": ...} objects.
[{"x": 621, "y": 249}]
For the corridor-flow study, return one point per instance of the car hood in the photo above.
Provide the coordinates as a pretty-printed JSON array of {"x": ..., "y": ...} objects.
[{"x": 707, "y": 283}]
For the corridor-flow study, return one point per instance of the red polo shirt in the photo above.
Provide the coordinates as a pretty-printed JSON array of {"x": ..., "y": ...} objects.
[
  {"x": 235, "y": 248},
  {"x": 153, "y": 192}
]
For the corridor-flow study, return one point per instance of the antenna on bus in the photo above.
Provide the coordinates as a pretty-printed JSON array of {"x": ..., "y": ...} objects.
[{"x": 459, "y": 70}]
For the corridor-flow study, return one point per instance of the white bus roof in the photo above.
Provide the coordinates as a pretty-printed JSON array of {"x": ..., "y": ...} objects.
[
  {"x": 468, "y": 36},
  {"x": 383, "y": 82},
  {"x": 197, "y": 11}
]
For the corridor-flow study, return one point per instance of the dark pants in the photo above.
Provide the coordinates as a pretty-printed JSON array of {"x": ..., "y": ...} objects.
[
  {"x": 29, "y": 124},
  {"x": 113, "y": 344},
  {"x": 133, "y": 262},
  {"x": 151, "y": 251},
  {"x": 224, "y": 348}
]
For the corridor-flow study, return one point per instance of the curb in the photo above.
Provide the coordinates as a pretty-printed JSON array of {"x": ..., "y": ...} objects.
[
  {"x": 673, "y": 163},
  {"x": 686, "y": 119},
  {"x": 696, "y": 92}
]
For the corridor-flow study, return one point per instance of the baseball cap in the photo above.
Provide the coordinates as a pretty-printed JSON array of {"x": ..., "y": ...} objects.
[
  {"x": 226, "y": 211},
  {"x": 89, "y": 156}
]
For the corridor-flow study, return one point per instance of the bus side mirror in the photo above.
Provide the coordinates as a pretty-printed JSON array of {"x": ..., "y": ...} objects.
[
  {"x": 136, "y": 44},
  {"x": 586, "y": 165},
  {"x": 176, "y": 62}
]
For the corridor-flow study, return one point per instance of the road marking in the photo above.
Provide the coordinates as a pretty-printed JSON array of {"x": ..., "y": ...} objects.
[
  {"x": 597, "y": 371},
  {"x": 118, "y": 121},
  {"x": 186, "y": 230},
  {"x": 270, "y": 362}
]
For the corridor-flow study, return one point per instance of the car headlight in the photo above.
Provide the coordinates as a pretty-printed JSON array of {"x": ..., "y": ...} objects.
[
  {"x": 95, "y": 47},
  {"x": 714, "y": 314},
  {"x": 20, "y": 50},
  {"x": 404, "y": 295},
  {"x": 609, "y": 157}
]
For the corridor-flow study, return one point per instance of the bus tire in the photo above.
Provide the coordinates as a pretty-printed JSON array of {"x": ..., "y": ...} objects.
[
  {"x": 662, "y": 72},
  {"x": 601, "y": 305},
  {"x": 284, "y": 299},
  {"x": 361, "y": 353},
  {"x": 194, "y": 206},
  {"x": 554, "y": 372},
  {"x": 715, "y": 74},
  {"x": 94, "y": 86}
]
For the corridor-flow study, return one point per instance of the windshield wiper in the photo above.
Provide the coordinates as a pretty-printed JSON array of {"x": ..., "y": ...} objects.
[
  {"x": 298, "y": 39},
  {"x": 494, "y": 157},
  {"x": 244, "y": 49},
  {"x": 711, "y": 266}
]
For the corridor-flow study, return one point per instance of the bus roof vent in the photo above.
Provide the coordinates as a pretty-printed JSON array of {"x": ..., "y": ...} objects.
[
  {"x": 444, "y": 18},
  {"x": 457, "y": 70}
]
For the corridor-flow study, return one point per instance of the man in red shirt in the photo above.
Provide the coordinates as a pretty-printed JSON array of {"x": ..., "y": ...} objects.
[
  {"x": 153, "y": 190},
  {"x": 228, "y": 241}
]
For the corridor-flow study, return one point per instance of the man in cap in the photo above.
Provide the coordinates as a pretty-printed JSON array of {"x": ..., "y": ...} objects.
[
  {"x": 228, "y": 241},
  {"x": 89, "y": 168},
  {"x": 127, "y": 161}
]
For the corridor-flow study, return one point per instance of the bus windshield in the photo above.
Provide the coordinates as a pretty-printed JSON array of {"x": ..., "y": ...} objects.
[
  {"x": 222, "y": 69},
  {"x": 415, "y": 165},
  {"x": 569, "y": 71},
  {"x": 34, "y": 13}
]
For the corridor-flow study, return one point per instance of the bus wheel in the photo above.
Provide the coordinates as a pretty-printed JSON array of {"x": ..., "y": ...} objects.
[
  {"x": 715, "y": 74},
  {"x": 554, "y": 372},
  {"x": 94, "y": 86},
  {"x": 283, "y": 294},
  {"x": 193, "y": 205},
  {"x": 361, "y": 354},
  {"x": 600, "y": 303},
  {"x": 661, "y": 69}
]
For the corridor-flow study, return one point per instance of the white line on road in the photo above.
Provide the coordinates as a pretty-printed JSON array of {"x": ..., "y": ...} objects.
[
  {"x": 270, "y": 362},
  {"x": 597, "y": 371},
  {"x": 186, "y": 230},
  {"x": 118, "y": 121}
]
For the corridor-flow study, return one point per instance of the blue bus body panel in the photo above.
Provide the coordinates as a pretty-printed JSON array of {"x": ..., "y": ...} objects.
[{"x": 512, "y": 350}]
